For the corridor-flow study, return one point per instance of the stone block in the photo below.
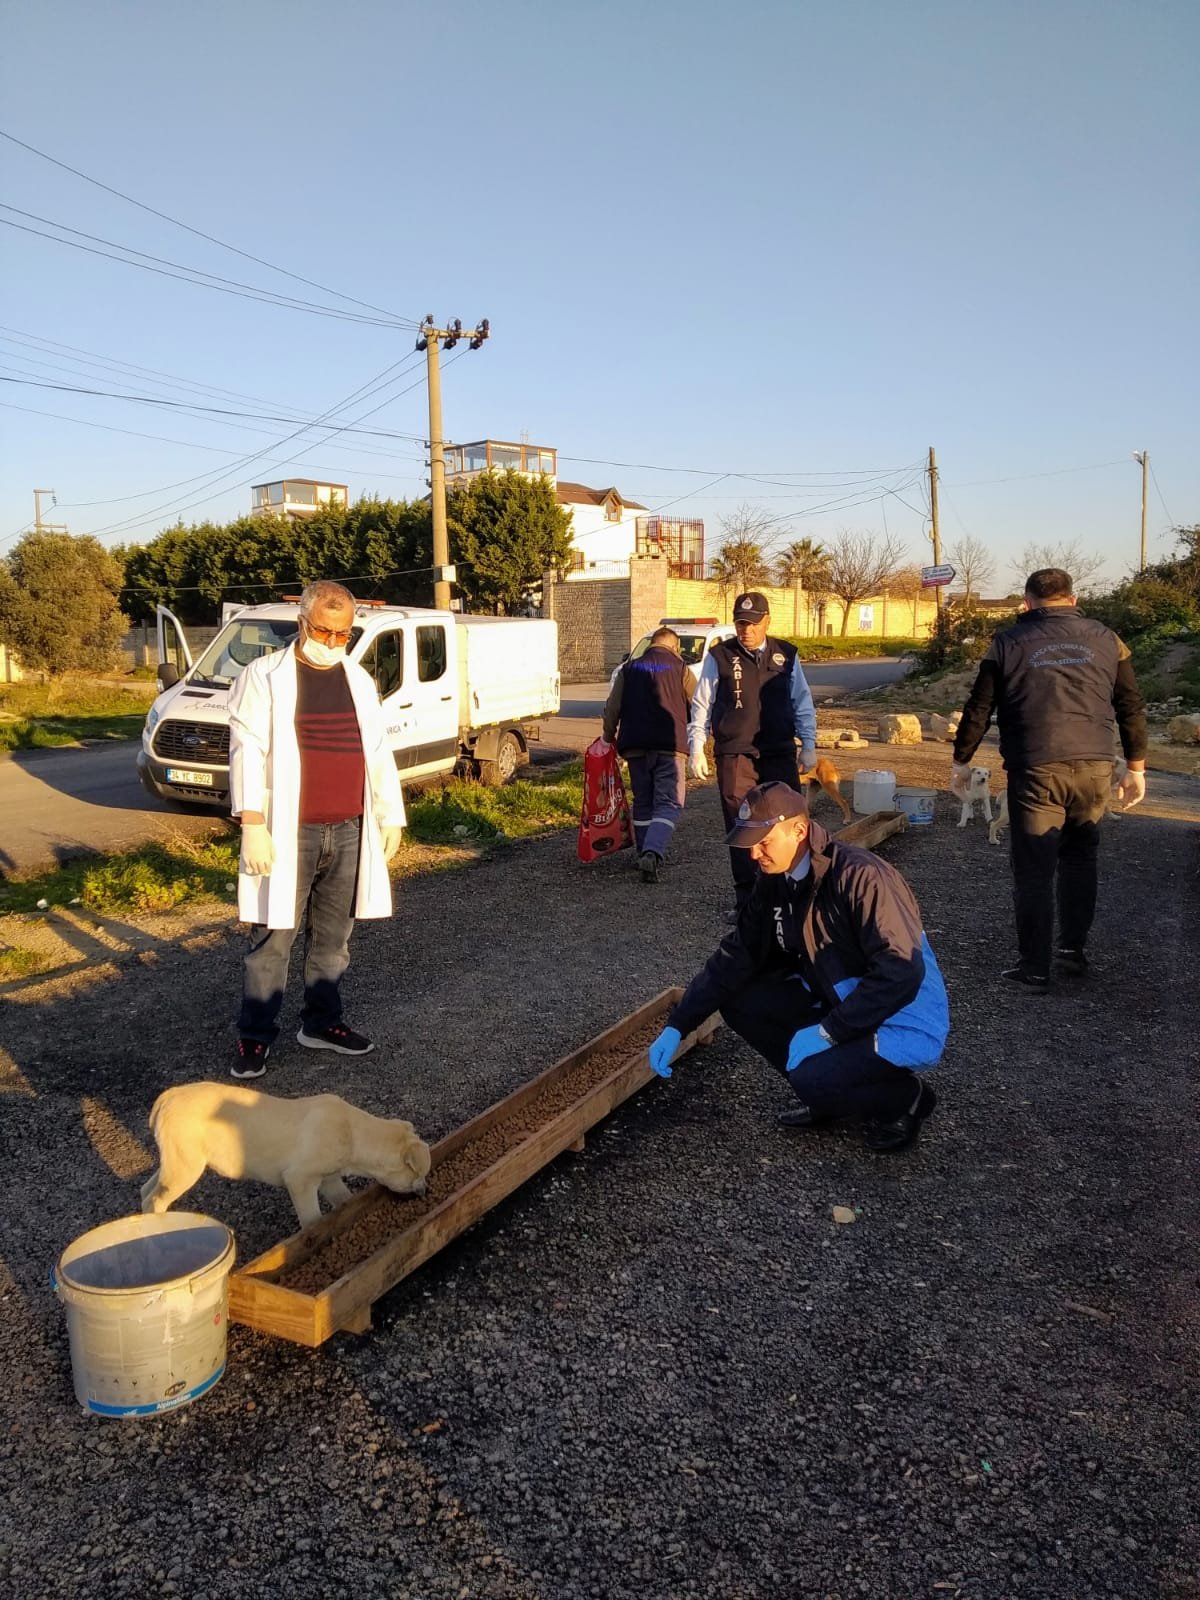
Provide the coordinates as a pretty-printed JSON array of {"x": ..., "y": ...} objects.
[
  {"x": 1184, "y": 729},
  {"x": 900, "y": 729},
  {"x": 943, "y": 728}
]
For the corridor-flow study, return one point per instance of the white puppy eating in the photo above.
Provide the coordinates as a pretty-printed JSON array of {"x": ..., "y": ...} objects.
[
  {"x": 304, "y": 1146},
  {"x": 977, "y": 792}
]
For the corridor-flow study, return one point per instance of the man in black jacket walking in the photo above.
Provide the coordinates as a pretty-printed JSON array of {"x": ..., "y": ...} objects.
[
  {"x": 646, "y": 713},
  {"x": 1061, "y": 685},
  {"x": 828, "y": 974}
]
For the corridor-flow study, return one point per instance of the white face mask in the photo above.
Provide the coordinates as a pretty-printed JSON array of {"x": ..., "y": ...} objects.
[{"x": 323, "y": 655}]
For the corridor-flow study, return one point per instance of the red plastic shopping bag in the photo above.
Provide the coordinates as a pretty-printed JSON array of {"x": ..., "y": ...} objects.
[{"x": 604, "y": 825}]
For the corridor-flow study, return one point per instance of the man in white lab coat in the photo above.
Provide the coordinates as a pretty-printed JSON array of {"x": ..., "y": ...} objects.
[{"x": 315, "y": 786}]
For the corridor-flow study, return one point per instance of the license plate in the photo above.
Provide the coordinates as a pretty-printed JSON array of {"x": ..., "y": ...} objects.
[{"x": 182, "y": 775}]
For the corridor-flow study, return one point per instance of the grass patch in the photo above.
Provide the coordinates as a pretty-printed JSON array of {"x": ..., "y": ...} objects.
[
  {"x": 465, "y": 813},
  {"x": 17, "y": 962},
  {"x": 159, "y": 877},
  {"x": 154, "y": 877},
  {"x": 35, "y": 716},
  {"x": 831, "y": 649}
]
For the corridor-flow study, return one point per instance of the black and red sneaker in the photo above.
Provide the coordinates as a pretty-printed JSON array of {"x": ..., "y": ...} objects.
[
  {"x": 337, "y": 1036},
  {"x": 250, "y": 1059}
]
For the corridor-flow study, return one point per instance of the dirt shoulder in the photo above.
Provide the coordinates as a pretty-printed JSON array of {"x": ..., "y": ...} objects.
[{"x": 661, "y": 1369}]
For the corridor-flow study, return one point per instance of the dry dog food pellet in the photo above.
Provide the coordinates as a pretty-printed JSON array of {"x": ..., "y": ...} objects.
[{"x": 393, "y": 1214}]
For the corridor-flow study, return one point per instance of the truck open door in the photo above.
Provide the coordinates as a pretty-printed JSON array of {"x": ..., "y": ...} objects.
[{"x": 174, "y": 656}]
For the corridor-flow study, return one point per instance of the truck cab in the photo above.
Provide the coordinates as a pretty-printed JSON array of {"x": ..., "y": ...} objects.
[{"x": 421, "y": 660}]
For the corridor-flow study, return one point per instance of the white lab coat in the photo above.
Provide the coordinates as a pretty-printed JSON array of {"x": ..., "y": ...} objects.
[{"x": 264, "y": 776}]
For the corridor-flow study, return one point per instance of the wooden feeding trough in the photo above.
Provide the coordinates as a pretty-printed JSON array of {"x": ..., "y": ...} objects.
[
  {"x": 327, "y": 1277},
  {"x": 867, "y": 832}
]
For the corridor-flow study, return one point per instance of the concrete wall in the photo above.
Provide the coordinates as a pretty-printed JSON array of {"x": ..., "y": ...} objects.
[{"x": 593, "y": 625}]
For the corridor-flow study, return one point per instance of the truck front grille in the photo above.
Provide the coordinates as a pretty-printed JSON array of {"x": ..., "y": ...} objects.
[{"x": 189, "y": 742}]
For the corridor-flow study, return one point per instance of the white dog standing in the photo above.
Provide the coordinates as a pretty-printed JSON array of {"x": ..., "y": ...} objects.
[
  {"x": 976, "y": 792},
  {"x": 305, "y": 1146}
]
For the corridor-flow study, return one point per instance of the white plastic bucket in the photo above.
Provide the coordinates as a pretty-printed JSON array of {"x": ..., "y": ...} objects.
[
  {"x": 147, "y": 1311},
  {"x": 874, "y": 790},
  {"x": 916, "y": 804}
]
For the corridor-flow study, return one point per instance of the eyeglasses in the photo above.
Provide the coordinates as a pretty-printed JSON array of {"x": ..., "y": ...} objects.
[{"x": 327, "y": 635}]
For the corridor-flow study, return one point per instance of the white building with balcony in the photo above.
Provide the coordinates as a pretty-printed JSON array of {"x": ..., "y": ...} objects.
[{"x": 295, "y": 497}]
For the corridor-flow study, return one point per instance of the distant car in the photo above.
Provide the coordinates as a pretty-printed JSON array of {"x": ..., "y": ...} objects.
[{"x": 697, "y": 635}]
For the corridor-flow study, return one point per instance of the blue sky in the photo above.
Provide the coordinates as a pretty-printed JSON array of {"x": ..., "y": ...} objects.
[{"x": 802, "y": 242}]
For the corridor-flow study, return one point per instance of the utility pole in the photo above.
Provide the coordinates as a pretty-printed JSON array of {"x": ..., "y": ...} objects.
[
  {"x": 1143, "y": 457},
  {"x": 936, "y": 531},
  {"x": 431, "y": 339},
  {"x": 37, "y": 507}
]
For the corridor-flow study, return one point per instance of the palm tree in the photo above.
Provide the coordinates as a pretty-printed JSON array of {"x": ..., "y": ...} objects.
[{"x": 804, "y": 565}]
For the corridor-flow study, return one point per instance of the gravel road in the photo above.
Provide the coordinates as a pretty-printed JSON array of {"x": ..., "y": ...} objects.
[{"x": 662, "y": 1369}]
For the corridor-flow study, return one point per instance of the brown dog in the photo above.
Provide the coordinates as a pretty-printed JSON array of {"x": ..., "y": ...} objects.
[{"x": 826, "y": 776}]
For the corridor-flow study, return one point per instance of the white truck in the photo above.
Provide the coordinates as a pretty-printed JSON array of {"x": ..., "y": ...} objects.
[{"x": 454, "y": 688}]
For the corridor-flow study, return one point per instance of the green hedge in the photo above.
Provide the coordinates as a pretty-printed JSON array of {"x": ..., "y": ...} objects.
[{"x": 833, "y": 649}]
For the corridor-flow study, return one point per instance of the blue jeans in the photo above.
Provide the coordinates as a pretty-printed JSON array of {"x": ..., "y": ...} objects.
[
  {"x": 846, "y": 1080},
  {"x": 326, "y": 880},
  {"x": 659, "y": 787}
]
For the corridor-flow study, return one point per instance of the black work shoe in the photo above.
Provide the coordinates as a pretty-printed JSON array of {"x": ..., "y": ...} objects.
[
  {"x": 337, "y": 1036},
  {"x": 798, "y": 1117},
  {"x": 250, "y": 1059},
  {"x": 1038, "y": 982},
  {"x": 650, "y": 863},
  {"x": 1073, "y": 962},
  {"x": 884, "y": 1135}
]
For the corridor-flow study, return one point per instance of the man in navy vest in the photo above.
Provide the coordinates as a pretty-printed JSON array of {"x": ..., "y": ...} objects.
[
  {"x": 753, "y": 691},
  {"x": 646, "y": 713},
  {"x": 828, "y": 975},
  {"x": 1061, "y": 685}
]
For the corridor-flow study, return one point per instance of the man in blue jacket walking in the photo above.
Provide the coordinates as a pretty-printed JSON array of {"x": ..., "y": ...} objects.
[{"x": 828, "y": 974}]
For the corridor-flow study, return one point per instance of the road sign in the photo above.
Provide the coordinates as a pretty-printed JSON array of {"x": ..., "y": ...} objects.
[{"x": 937, "y": 577}]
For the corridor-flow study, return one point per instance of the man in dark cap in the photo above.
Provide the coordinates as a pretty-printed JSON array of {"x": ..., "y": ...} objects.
[
  {"x": 828, "y": 974},
  {"x": 646, "y": 714},
  {"x": 753, "y": 692}
]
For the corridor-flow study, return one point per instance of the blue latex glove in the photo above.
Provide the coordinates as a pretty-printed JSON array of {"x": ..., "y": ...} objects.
[
  {"x": 807, "y": 1042},
  {"x": 663, "y": 1048}
]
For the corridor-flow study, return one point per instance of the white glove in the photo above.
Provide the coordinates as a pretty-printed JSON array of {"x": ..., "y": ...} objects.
[
  {"x": 258, "y": 850},
  {"x": 960, "y": 777},
  {"x": 808, "y": 758},
  {"x": 1131, "y": 790},
  {"x": 390, "y": 838},
  {"x": 698, "y": 762}
]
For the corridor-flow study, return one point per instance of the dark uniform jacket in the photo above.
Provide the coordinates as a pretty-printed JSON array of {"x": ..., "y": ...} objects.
[
  {"x": 1060, "y": 683},
  {"x": 852, "y": 931},
  {"x": 647, "y": 705},
  {"x": 752, "y": 711}
]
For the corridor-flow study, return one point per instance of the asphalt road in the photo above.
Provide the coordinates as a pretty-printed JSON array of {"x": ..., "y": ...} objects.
[
  {"x": 828, "y": 680},
  {"x": 55, "y": 804}
]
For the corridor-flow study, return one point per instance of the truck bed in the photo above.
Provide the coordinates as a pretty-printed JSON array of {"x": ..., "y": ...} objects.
[{"x": 507, "y": 669}]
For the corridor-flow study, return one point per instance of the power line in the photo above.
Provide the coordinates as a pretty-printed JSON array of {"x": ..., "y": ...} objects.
[
  {"x": 220, "y": 411},
  {"x": 1154, "y": 479},
  {"x": 185, "y": 274},
  {"x": 199, "y": 232},
  {"x": 385, "y": 378},
  {"x": 1025, "y": 477}
]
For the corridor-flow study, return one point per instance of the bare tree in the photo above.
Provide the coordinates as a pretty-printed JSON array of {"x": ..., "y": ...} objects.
[
  {"x": 861, "y": 564},
  {"x": 974, "y": 564},
  {"x": 906, "y": 585},
  {"x": 1068, "y": 554}
]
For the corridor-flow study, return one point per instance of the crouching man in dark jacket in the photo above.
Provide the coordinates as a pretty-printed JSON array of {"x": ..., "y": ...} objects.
[{"x": 828, "y": 974}]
